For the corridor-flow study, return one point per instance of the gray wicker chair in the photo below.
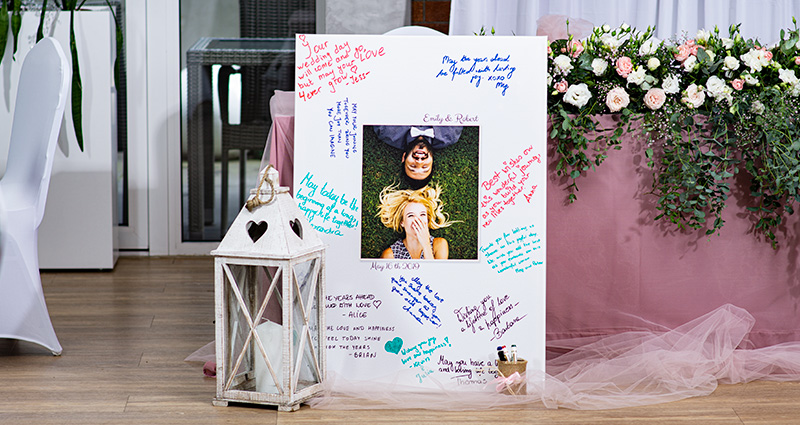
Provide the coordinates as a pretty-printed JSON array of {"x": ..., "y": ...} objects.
[{"x": 259, "y": 19}]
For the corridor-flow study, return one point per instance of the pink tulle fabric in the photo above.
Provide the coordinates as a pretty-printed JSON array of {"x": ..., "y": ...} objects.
[
  {"x": 624, "y": 370},
  {"x": 555, "y": 27}
]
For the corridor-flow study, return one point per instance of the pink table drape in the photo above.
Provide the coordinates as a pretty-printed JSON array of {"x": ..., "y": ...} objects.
[{"x": 611, "y": 268}]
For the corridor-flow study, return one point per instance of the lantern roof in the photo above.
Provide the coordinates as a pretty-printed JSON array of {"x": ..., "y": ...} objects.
[{"x": 276, "y": 229}]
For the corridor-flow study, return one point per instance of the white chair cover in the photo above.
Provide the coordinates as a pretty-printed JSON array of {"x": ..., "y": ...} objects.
[{"x": 39, "y": 109}]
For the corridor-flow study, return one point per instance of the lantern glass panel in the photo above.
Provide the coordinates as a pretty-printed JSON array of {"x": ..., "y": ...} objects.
[
  {"x": 305, "y": 322},
  {"x": 237, "y": 291}
]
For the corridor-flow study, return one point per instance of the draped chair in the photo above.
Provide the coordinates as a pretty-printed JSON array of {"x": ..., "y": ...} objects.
[{"x": 38, "y": 112}]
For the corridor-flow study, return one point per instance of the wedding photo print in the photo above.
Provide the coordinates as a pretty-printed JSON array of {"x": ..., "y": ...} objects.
[{"x": 420, "y": 192}]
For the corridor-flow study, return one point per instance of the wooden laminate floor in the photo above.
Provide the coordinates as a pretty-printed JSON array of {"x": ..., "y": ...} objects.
[{"x": 126, "y": 333}]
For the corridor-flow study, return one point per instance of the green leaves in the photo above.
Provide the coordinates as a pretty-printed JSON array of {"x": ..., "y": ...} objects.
[
  {"x": 3, "y": 28},
  {"x": 16, "y": 23},
  {"x": 77, "y": 86}
]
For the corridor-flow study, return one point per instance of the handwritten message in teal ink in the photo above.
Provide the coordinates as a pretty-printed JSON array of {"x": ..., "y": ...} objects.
[
  {"x": 494, "y": 315},
  {"x": 419, "y": 355},
  {"x": 506, "y": 184},
  {"x": 513, "y": 250},
  {"x": 421, "y": 301},
  {"x": 343, "y": 128},
  {"x": 328, "y": 211},
  {"x": 493, "y": 71}
]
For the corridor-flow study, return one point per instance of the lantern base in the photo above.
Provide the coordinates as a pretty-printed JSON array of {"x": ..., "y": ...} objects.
[{"x": 221, "y": 402}]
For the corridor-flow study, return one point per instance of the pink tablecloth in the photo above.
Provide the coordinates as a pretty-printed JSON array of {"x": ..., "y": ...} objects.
[{"x": 611, "y": 268}]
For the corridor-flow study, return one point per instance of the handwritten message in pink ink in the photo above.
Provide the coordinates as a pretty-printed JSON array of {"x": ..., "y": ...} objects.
[
  {"x": 507, "y": 183},
  {"x": 329, "y": 65}
]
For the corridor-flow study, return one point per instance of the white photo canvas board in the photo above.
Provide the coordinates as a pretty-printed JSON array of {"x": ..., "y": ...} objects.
[{"x": 362, "y": 105}]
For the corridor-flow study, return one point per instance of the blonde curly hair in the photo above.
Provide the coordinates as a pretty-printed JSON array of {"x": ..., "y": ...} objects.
[{"x": 393, "y": 203}]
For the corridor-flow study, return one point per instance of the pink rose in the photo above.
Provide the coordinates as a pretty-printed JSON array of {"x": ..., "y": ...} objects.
[
  {"x": 684, "y": 52},
  {"x": 797, "y": 60},
  {"x": 655, "y": 98},
  {"x": 561, "y": 86},
  {"x": 624, "y": 66},
  {"x": 549, "y": 50},
  {"x": 576, "y": 48},
  {"x": 768, "y": 55},
  {"x": 738, "y": 83},
  {"x": 617, "y": 98}
]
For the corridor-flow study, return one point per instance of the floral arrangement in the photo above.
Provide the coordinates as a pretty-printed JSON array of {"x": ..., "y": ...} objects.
[{"x": 707, "y": 107}]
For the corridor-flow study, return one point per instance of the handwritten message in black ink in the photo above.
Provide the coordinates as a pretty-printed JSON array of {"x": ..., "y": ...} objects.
[
  {"x": 343, "y": 128},
  {"x": 328, "y": 211},
  {"x": 465, "y": 371},
  {"x": 493, "y": 315},
  {"x": 493, "y": 71},
  {"x": 329, "y": 65},
  {"x": 419, "y": 355},
  {"x": 514, "y": 250},
  {"x": 421, "y": 301},
  {"x": 355, "y": 334},
  {"x": 507, "y": 183}
]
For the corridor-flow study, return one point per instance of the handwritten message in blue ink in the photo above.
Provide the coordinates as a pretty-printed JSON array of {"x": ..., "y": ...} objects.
[
  {"x": 328, "y": 211},
  {"x": 507, "y": 183},
  {"x": 421, "y": 301},
  {"x": 513, "y": 250},
  {"x": 343, "y": 128},
  {"x": 494, "y": 315},
  {"x": 493, "y": 71},
  {"x": 419, "y": 355}
]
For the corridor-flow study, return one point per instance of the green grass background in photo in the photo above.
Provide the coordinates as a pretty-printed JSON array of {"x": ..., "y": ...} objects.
[{"x": 455, "y": 170}]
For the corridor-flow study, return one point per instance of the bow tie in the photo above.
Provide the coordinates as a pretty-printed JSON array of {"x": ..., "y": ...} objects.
[{"x": 415, "y": 132}]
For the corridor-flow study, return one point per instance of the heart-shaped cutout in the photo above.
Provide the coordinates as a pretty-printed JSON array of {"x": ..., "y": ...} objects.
[
  {"x": 394, "y": 345},
  {"x": 377, "y": 303},
  {"x": 256, "y": 230},
  {"x": 296, "y": 228}
]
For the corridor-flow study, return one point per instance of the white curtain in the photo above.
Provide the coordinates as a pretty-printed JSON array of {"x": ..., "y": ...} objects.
[{"x": 761, "y": 19}]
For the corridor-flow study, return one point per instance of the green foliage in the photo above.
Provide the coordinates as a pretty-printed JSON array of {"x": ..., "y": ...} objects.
[
  {"x": 727, "y": 106},
  {"x": 3, "y": 28},
  {"x": 455, "y": 170}
]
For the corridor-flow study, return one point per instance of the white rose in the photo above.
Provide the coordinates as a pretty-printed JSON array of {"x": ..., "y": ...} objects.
[
  {"x": 610, "y": 41},
  {"x": 549, "y": 80},
  {"x": 787, "y": 76},
  {"x": 563, "y": 64},
  {"x": 617, "y": 99},
  {"x": 715, "y": 86},
  {"x": 702, "y": 36},
  {"x": 693, "y": 96},
  {"x": 671, "y": 84},
  {"x": 710, "y": 54},
  {"x": 577, "y": 95},
  {"x": 749, "y": 79},
  {"x": 653, "y": 64},
  {"x": 756, "y": 59},
  {"x": 730, "y": 63},
  {"x": 606, "y": 28},
  {"x": 637, "y": 76},
  {"x": 727, "y": 43},
  {"x": 599, "y": 66},
  {"x": 624, "y": 26},
  {"x": 649, "y": 47},
  {"x": 757, "y": 107},
  {"x": 690, "y": 63}
]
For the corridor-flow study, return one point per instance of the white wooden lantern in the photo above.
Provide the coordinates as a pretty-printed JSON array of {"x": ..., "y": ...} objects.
[{"x": 269, "y": 286}]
